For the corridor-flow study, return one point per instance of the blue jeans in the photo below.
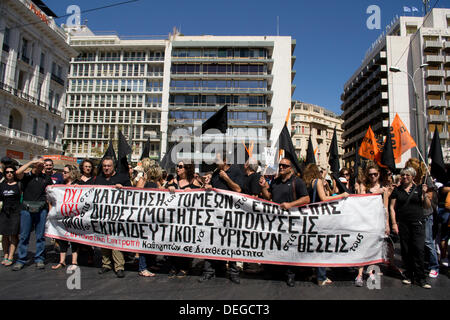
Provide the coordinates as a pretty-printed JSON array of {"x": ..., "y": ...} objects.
[
  {"x": 430, "y": 245},
  {"x": 321, "y": 274},
  {"x": 27, "y": 222}
]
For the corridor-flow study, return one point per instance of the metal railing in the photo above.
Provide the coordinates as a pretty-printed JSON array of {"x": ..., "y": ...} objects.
[{"x": 28, "y": 137}]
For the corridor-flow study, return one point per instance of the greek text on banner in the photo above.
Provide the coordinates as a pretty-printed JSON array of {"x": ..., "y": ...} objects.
[{"x": 220, "y": 225}]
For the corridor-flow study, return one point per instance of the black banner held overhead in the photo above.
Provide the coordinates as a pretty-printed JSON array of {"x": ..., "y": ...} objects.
[
  {"x": 437, "y": 159},
  {"x": 146, "y": 151},
  {"x": 123, "y": 151},
  {"x": 285, "y": 143},
  {"x": 333, "y": 154},
  {"x": 109, "y": 153},
  {"x": 387, "y": 155},
  {"x": 219, "y": 121},
  {"x": 310, "y": 158}
]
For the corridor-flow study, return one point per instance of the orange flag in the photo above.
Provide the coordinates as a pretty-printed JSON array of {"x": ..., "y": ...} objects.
[
  {"x": 401, "y": 139},
  {"x": 369, "y": 146}
]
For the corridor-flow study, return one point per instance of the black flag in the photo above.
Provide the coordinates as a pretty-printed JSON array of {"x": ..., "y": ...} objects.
[
  {"x": 109, "y": 153},
  {"x": 387, "y": 155},
  {"x": 146, "y": 151},
  {"x": 285, "y": 143},
  {"x": 166, "y": 163},
  {"x": 333, "y": 154},
  {"x": 219, "y": 121},
  {"x": 123, "y": 150},
  {"x": 310, "y": 158},
  {"x": 437, "y": 159}
]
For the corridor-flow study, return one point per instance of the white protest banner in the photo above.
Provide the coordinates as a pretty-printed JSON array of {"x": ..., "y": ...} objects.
[
  {"x": 269, "y": 156},
  {"x": 220, "y": 225}
]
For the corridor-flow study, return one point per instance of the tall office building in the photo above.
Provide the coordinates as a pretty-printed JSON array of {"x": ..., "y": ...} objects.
[
  {"x": 309, "y": 120},
  {"x": 114, "y": 84},
  {"x": 153, "y": 87},
  {"x": 34, "y": 63},
  {"x": 413, "y": 57}
]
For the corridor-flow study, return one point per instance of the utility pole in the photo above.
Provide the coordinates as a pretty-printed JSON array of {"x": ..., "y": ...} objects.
[{"x": 426, "y": 6}]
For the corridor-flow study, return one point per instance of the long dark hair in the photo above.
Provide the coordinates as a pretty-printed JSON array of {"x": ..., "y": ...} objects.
[{"x": 10, "y": 166}]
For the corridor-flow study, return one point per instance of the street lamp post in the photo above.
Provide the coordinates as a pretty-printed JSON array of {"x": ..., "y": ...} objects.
[{"x": 422, "y": 147}]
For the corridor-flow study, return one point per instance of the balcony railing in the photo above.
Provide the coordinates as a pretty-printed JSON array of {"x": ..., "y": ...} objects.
[
  {"x": 30, "y": 138},
  {"x": 27, "y": 97},
  {"x": 57, "y": 79},
  {"x": 437, "y": 118}
]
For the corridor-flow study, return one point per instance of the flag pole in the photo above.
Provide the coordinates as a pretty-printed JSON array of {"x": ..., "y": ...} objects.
[{"x": 426, "y": 165}]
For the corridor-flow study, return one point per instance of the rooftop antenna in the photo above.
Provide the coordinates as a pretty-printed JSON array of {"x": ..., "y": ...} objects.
[{"x": 426, "y": 5}]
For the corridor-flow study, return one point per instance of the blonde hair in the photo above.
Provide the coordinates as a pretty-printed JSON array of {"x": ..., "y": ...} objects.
[
  {"x": 74, "y": 173},
  {"x": 419, "y": 168}
]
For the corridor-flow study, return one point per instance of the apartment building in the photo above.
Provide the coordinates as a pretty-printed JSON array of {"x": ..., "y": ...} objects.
[
  {"x": 406, "y": 72},
  {"x": 114, "y": 84},
  {"x": 33, "y": 68},
  {"x": 319, "y": 123},
  {"x": 150, "y": 88}
]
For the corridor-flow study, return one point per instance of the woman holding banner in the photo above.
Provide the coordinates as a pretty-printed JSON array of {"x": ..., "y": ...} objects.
[
  {"x": 407, "y": 215},
  {"x": 71, "y": 175},
  {"x": 185, "y": 180},
  {"x": 372, "y": 184},
  {"x": 150, "y": 180},
  {"x": 315, "y": 186}
]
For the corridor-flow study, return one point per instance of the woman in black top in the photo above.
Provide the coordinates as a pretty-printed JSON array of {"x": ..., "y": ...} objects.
[
  {"x": 71, "y": 176},
  {"x": 10, "y": 194},
  {"x": 407, "y": 203},
  {"x": 179, "y": 266},
  {"x": 316, "y": 190},
  {"x": 86, "y": 170}
]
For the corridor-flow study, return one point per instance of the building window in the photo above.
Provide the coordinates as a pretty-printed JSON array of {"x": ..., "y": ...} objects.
[
  {"x": 35, "y": 124},
  {"x": 46, "y": 131},
  {"x": 54, "y": 133},
  {"x": 11, "y": 121}
]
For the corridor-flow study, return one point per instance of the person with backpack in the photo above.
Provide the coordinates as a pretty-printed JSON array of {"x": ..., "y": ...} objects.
[{"x": 289, "y": 191}]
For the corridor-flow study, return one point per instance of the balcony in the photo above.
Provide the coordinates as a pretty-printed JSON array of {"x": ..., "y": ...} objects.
[
  {"x": 28, "y": 98},
  {"x": 29, "y": 138},
  {"x": 437, "y": 118},
  {"x": 434, "y": 59},
  {"x": 435, "y": 88},
  {"x": 24, "y": 58},
  {"x": 447, "y": 74},
  {"x": 436, "y": 103},
  {"x": 447, "y": 45},
  {"x": 57, "y": 79},
  {"x": 434, "y": 73},
  {"x": 433, "y": 44},
  {"x": 442, "y": 135}
]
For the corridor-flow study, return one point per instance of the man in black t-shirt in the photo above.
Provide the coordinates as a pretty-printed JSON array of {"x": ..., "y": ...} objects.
[
  {"x": 109, "y": 177},
  {"x": 56, "y": 177},
  {"x": 225, "y": 177},
  {"x": 34, "y": 211},
  {"x": 289, "y": 191},
  {"x": 251, "y": 180}
]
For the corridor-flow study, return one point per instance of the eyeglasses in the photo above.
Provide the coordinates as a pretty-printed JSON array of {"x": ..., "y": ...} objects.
[
  {"x": 283, "y": 166},
  {"x": 8, "y": 171},
  {"x": 405, "y": 175},
  {"x": 373, "y": 174},
  {"x": 66, "y": 172},
  {"x": 346, "y": 174},
  {"x": 180, "y": 166}
]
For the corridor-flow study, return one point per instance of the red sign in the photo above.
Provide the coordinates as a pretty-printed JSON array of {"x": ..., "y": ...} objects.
[
  {"x": 14, "y": 154},
  {"x": 38, "y": 12}
]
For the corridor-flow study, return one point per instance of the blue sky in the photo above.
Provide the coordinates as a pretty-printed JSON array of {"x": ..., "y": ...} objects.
[{"x": 332, "y": 36}]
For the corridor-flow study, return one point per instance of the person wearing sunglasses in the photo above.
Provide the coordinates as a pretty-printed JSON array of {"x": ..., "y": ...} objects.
[
  {"x": 289, "y": 191},
  {"x": 179, "y": 266},
  {"x": 372, "y": 184},
  {"x": 34, "y": 211},
  {"x": 10, "y": 193},
  {"x": 71, "y": 176},
  {"x": 408, "y": 221}
]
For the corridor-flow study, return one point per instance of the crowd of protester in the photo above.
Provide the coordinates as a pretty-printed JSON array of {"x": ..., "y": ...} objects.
[{"x": 417, "y": 211}]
